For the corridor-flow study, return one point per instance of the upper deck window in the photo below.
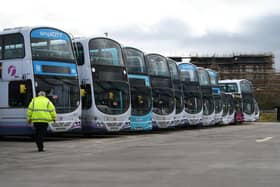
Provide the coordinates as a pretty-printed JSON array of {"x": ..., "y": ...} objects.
[
  {"x": 173, "y": 70},
  {"x": 11, "y": 46},
  {"x": 158, "y": 66},
  {"x": 203, "y": 78},
  {"x": 229, "y": 87},
  {"x": 51, "y": 44},
  {"x": 1, "y": 51},
  {"x": 188, "y": 73},
  {"x": 105, "y": 52},
  {"x": 135, "y": 61},
  {"x": 246, "y": 87},
  {"x": 0, "y": 70},
  {"x": 79, "y": 53},
  {"x": 213, "y": 78}
]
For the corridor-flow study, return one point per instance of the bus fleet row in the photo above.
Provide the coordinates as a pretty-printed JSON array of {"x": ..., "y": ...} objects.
[{"x": 97, "y": 85}]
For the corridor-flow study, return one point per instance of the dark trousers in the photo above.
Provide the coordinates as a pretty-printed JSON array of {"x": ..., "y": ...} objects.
[{"x": 40, "y": 133}]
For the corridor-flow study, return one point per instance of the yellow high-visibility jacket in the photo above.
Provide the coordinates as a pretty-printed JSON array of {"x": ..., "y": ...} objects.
[{"x": 41, "y": 109}]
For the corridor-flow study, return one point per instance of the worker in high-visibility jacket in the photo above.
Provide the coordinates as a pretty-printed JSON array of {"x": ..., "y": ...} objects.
[{"x": 40, "y": 112}]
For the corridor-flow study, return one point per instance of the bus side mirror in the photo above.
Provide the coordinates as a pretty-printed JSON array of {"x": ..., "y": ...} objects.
[
  {"x": 83, "y": 92},
  {"x": 22, "y": 89}
]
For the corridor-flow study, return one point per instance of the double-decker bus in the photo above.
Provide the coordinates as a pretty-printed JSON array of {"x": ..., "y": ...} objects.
[
  {"x": 140, "y": 89},
  {"x": 179, "y": 118},
  {"x": 162, "y": 91},
  {"x": 207, "y": 97},
  {"x": 34, "y": 59},
  {"x": 104, "y": 82},
  {"x": 216, "y": 92},
  {"x": 192, "y": 93},
  {"x": 242, "y": 90}
]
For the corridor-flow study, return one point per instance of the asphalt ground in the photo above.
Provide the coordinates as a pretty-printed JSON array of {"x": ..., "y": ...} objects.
[{"x": 246, "y": 155}]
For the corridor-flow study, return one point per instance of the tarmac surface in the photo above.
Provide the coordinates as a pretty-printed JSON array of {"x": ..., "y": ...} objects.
[{"x": 246, "y": 155}]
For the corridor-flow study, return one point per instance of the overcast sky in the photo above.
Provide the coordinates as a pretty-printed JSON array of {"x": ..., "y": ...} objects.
[{"x": 173, "y": 27}]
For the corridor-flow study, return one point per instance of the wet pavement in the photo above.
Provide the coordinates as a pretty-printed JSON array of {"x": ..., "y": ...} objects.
[{"x": 244, "y": 155}]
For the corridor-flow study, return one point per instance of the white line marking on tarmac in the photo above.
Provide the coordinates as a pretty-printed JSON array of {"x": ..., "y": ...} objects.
[{"x": 263, "y": 139}]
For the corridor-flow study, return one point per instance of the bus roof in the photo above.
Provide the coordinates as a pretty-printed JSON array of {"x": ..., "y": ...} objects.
[
  {"x": 25, "y": 29},
  {"x": 233, "y": 81}
]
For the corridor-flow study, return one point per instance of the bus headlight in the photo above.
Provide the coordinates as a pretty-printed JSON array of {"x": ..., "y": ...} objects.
[{"x": 100, "y": 125}]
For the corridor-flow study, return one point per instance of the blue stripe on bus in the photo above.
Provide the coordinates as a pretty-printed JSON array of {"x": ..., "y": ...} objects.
[
  {"x": 145, "y": 77},
  {"x": 216, "y": 91},
  {"x": 49, "y": 33},
  {"x": 187, "y": 67},
  {"x": 141, "y": 122},
  {"x": 15, "y": 128},
  {"x": 37, "y": 66},
  {"x": 213, "y": 74}
]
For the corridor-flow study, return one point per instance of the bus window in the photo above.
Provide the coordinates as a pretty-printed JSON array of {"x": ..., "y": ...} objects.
[
  {"x": 51, "y": 44},
  {"x": 141, "y": 104},
  {"x": 192, "y": 100},
  {"x": 213, "y": 77},
  {"x": 188, "y": 73},
  {"x": 213, "y": 80},
  {"x": 13, "y": 46},
  {"x": 1, "y": 51},
  {"x": 174, "y": 71},
  {"x": 79, "y": 53},
  {"x": 203, "y": 78},
  {"x": 135, "y": 61},
  {"x": 86, "y": 98},
  {"x": 111, "y": 98},
  {"x": 246, "y": 87},
  {"x": 1, "y": 71},
  {"x": 60, "y": 90},
  {"x": 163, "y": 102},
  {"x": 18, "y": 97},
  {"x": 158, "y": 66},
  {"x": 105, "y": 52},
  {"x": 229, "y": 87}
]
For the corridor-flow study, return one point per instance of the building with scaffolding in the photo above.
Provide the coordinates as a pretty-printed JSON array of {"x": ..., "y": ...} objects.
[{"x": 258, "y": 68}]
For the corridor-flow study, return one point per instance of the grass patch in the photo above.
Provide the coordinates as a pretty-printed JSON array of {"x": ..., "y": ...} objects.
[{"x": 268, "y": 117}]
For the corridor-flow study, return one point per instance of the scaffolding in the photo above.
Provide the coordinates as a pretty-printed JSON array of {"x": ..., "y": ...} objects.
[{"x": 258, "y": 68}]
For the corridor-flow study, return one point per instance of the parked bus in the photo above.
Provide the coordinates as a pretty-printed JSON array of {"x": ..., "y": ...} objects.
[
  {"x": 208, "y": 99},
  {"x": 192, "y": 93},
  {"x": 140, "y": 89},
  {"x": 180, "y": 117},
  {"x": 105, "y": 88},
  {"x": 162, "y": 91},
  {"x": 34, "y": 59},
  {"x": 242, "y": 89},
  {"x": 216, "y": 92}
]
